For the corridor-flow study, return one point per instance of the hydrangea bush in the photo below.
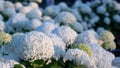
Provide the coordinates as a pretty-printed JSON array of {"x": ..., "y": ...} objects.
[{"x": 58, "y": 36}]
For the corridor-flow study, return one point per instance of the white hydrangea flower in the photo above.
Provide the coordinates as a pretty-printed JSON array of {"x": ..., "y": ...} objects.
[
  {"x": 39, "y": 1},
  {"x": 107, "y": 36},
  {"x": 44, "y": 18},
  {"x": 34, "y": 5},
  {"x": 1, "y": 17},
  {"x": 94, "y": 20},
  {"x": 15, "y": 44},
  {"x": 9, "y": 63},
  {"x": 33, "y": 24},
  {"x": 107, "y": 1},
  {"x": 63, "y": 6},
  {"x": 85, "y": 26},
  {"x": 50, "y": 21},
  {"x": 84, "y": 7},
  {"x": 34, "y": 13},
  {"x": 18, "y": 21},
  {"x": 116, "y": 18},
  {"x": 100, "y": 30},
  {"x": 65, "y": 18},
  {"x": 116, "y": 62},
  {"x": 79, "y": 57},
  {"x": 8, "y": 4},
  {"x": 101, "y": 9},
  {"x": 2, "y": 26},
  {"x": 116, "y": 5},
  {"x": 95, "y": 3},
  {"x": 87, "y": 37},
  {"x": 101, "y": 57},
  {"x": 37, "y": 45},
  {"x": 66, "y": 33},
  {"x": 77, "y": 14},
  {"x": 59, "y": 46},
  {"x": 2, "y": 6},
  {"x": 88, "y": 3},
  {"x": 18, "y": 5},
  {"x": 77, "y": 3},
  {"x": 107, "y": 14},
  {"x": 77, "y": 27},
  {"x": 9, "y": 12},
  {"x": 46, "y": 27},
  {"x": 25, "y": 9},
  {"x": 15, "y": 47},
  {"x": 52, "y": 10},
  {"x": 107, "y": 20}
]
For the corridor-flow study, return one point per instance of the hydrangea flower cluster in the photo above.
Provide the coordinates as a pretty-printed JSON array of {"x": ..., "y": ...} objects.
[
  {"x": 58, "y": 35},
  {"x": 4, "y": 38},
  {"x": 108, "y": 39}
]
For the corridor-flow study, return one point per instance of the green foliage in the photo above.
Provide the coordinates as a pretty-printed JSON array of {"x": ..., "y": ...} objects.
[
  {"x": 61, "y": 24},
  {"x": 35, "y": 64},
  {"x": 55, "y": 64},
  {"x": 69, "y": 64},
  {"x": 83, "y": 47},
  {"x": 18, "y": 66}
]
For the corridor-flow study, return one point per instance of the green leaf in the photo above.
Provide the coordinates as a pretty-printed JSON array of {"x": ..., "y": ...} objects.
[{"x": 18, "y": 66}]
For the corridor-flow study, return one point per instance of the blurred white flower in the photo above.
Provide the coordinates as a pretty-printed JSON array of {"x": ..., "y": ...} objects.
[
  {"x": 65, "y": 18},
  {"x": 77, "y": 15},
  {"x": 18, "y": 5},
  {"x": 52, "y": 10},
  {"x": 34, "y": 13},
  {"x": 107, "y": 20},
  {"x": 32, "y": 24},
  {"x": 9, "y": 12},
  {"x": 17, "y": 21},
  {"x": 59, "y": 46},
  {"x": 8, "y": 4},
  {"x": 100, "y": 30},
  {"x": 76, "y": 26},
  {"x": 2, "y": 26},
  {"x": 87, "y": 37},
  {"x": 101, "y": 9},
  {"x": 25, "y": 9},
  {"x": 116, "y": 18},
  {"x": 2, "y": 6},
  {"x": 66, "y": 33},
  {"x": 34, "y": 5},
  {"x": 46, "y": 27}
]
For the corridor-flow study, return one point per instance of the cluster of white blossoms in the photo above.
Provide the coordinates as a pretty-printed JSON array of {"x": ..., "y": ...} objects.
[
  {"x": 88, "y": 37},
  {"x": 50, "y": 33},
  {"x": 67, "y": 34},
  {"x": 52, "y": 10},
  {"x": 65, "y": 18},
  {"x": 79, "y": 57},
  {"x": 46, "y": 27},
  {"x": 100, "y": 55},
  {"x": 33, "y": 24},
  {"x": 37, "y": 46},
  {"x": 2, "y": 26},
  {"x": 9, "y": 12},
  {"x": 59, "y": 46},
  {"x": 34, "y": 13},
  {"x": 17, "y": 21},
  {"x": 76, "y": 26}
]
